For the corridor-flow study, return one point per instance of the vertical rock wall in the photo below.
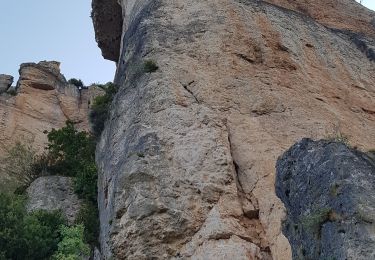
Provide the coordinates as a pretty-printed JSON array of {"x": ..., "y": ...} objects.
[{"x": 187, "y": 159}]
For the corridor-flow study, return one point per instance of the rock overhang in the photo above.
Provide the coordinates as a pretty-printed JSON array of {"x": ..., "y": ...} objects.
[{"x": 107, "y": 19}]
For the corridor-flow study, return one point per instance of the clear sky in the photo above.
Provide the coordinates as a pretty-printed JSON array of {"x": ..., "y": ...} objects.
[{"x": 35, "y": 30}]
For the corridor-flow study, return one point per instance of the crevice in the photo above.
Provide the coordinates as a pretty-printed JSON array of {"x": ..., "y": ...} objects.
[
  {"x": 186, "y": 87},
  {"x": 245, "y": 58}
]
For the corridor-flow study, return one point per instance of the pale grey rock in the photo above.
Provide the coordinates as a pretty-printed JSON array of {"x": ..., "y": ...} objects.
[
  {"x": 187, "y": 159},
  {"x": 54, "y": 193},
  {"x": 5, "y": 82}
]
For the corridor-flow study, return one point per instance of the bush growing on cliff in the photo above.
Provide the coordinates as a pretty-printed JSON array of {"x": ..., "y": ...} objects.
[
  {"x": 72, "y": 153},
  {"x": 76, "y": 82},
  {"x": 27, "y": 235},
  {"x": 150, "y": 66},
  {"x": 100, "y": 108},
  {"x": 88, "y": 217}
]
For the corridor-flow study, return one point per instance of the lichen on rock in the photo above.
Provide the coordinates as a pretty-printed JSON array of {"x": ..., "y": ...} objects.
[{"x": 327, "y": 189}]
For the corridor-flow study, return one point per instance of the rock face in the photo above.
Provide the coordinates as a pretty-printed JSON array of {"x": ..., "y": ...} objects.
[
  {"x": 328, "y": 190},
  {"x": 54, "y": 193},
  {"x": 44, "y": 101},
  {"x": 187, "y": 160},
  {"x": 5, "y": 82},
  {"x": 107, "y": 17}
]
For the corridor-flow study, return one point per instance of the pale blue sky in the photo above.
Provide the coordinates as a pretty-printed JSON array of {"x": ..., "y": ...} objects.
[{"x": 35, "y": 30}]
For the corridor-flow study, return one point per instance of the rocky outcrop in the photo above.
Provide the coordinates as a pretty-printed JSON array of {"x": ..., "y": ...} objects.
[
  {"x": 44, "y": 101},
  {"x": 187, "y": 159},
  {"x": 44, "y": 76},
  {"x": 5, "y": 82},
  {"x": 107, "y": 19},
  {"x": 328, "y": 190},
  {"x": 54, "y": 193}
]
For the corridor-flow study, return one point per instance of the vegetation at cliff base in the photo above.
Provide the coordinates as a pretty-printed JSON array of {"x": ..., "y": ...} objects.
[
  {"x": 72, "y": 153},
  {"x": 27, "y": 235},
  {"x": 71, "y": 246},
  {"x": 100, "y": 108}
]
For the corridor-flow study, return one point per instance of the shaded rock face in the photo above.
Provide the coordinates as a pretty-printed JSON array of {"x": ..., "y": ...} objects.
[
  {"x": 187, "y": 159},
  {"x": 328, "y": 191},
  {"x": 54, "y": 193},
  {"x": 5, "y": 82},
  {"x": 107, "y": 19}
]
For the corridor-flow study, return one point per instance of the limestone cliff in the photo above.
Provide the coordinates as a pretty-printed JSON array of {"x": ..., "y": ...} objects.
[
  {"x": 187, "y": 159},
  {"x": 44, "y": 101}
]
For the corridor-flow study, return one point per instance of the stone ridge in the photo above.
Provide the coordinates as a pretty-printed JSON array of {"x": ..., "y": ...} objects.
[
  {"x": 328, "y": 190},
  {"x": 187, "y": 160},
  {"x": 107, "y": 19}
]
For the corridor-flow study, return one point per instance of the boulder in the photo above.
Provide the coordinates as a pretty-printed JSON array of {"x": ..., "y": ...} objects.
[
  {"x": 54, "y": 193},
  {"x": 329, "y": 193}
]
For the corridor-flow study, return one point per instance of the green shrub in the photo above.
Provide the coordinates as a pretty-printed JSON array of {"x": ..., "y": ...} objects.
[
  {"x": 27, "y": 236},
  {"x": 150, "y": 66},
  {"x": 100, "y": 108},
  {"x": 20, "y": 162},
  {"x": 88, "y": 216},
  {"x": 69, "y": 150},
  {"x": 72, "y": 153},
  {"x": 76, "y": 82},
  {"x": 72, "y": 245}
]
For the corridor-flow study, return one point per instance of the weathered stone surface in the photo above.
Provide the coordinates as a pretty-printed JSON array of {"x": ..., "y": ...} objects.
[
  {"x": 44, "y": 101},
  {"x": 5, "y": 82},
  {"x": 339, "y": 14},
  {"x": 43, "y": 75},
  {"x": 189, "y": 154},
  {"x": 107, "y": 19},
  {"x": 328, "y": 190},
  {"x": 54, "y": 193}
]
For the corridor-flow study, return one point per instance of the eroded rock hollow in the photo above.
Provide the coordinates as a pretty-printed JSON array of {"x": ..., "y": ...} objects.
[{"x": 187, "y": 159}]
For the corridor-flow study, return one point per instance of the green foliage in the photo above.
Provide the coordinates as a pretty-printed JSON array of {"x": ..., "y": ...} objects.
[
  {"x": 26, "y": 236},
  {"x": 89, "y": 217},
  {"x": 72, "y": 245},
  {"x": 72, "y": 153},
  {"x": 19, "y": 163},
  {"x": 76, "y": 82},
  {"x": 314, "y": 221},
  {"x": 150, "y": 66},
  {"x": 100, "y": 108}
]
